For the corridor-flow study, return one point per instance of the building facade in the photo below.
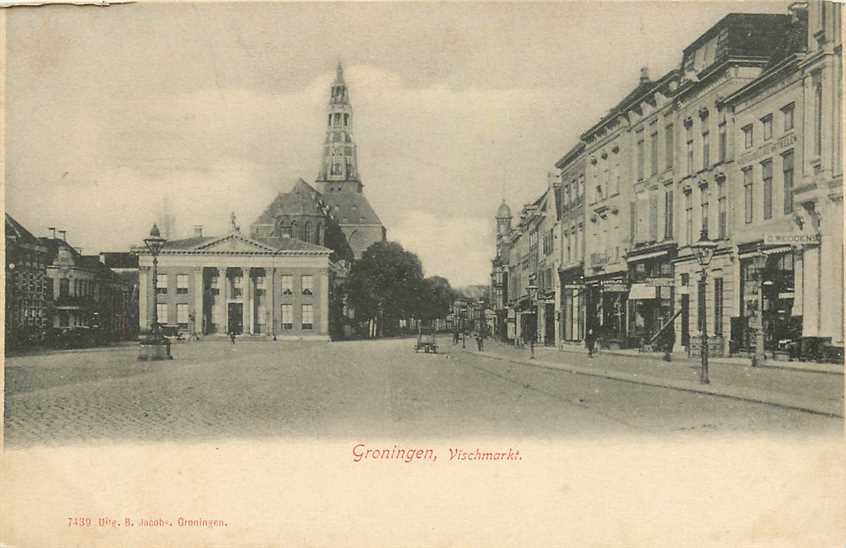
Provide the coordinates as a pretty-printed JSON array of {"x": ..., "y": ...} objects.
[
  {"x": 276, "y": 286},
  {"x": 25, "y": 287}
]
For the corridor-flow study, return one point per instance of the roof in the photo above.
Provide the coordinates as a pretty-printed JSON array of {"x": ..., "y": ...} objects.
[
  {"x": 53, "y": 244},
  {"x": 119, "y": 259},
  {"x": 351, "y": 208},
  {"x": 503, "y": 212},
  {"x": 302, "y": 199},
  {"x": 643, "y": 86},
  {"x": 571, "y": 155},
  {"x": 16, "y": 231},
  {"x": 273, "y": 243}
]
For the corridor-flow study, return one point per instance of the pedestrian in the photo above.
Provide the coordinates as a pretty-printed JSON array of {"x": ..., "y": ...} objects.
[
  {"x": 232, "y": 335},
  {"x": 590, "y": 341}
]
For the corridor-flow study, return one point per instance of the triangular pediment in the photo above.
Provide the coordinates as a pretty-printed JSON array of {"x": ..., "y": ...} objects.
[{"x": 235, "y": 243}]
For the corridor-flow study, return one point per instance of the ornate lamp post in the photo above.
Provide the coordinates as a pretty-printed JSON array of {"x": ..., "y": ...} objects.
[
  {"x": 155, "y": 347},
  {"x": 533, "y": 332},
  {"x": 704, "y": 249}
]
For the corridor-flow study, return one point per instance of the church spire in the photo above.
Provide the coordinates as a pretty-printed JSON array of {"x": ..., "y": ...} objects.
[{"x": 339, "y": 168}]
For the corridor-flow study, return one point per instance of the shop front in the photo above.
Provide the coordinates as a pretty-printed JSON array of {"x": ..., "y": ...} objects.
[
  {"x": 650, "y": 299},
  {"x": 572, "y": 305},
  {"x": 606, "y": 308},
  {"x": 767, "y": 291}
]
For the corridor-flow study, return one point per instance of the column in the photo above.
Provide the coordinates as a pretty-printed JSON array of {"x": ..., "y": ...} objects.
[
  {"x": 144, "y": 302},
  {"x": 198, "y": 301},
  {"x": 247, "y": 308},
  {"x": 220, "y": 303},
  {"x": 271, "y": 328},
  {"x": 324, "y": 304},
  {"x": 830, "y": 281}
]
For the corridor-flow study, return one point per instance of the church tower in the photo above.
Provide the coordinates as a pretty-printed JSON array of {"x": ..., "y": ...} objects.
[{"x": 339, "y": 168}]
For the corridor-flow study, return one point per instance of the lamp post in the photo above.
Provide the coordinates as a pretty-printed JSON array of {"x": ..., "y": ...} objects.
[
  {"x": 155, "y": 347},
  {"x": 482, "y": 325},
  {"x": 704, "y": 249},
  {"x": 532, "y": 332}
]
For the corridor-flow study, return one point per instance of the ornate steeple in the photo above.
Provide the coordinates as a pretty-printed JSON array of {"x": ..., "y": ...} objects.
[{"x": 339, "y": 168}]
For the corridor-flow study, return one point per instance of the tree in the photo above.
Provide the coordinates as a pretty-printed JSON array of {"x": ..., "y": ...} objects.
[
  {"x": 334, "y": 239},
  {"x": 437, "y": 298},
  {"x": 386, "y": 284}
]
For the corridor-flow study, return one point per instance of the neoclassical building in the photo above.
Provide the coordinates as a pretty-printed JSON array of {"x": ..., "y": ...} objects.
[{"x": 273, "y": 286}]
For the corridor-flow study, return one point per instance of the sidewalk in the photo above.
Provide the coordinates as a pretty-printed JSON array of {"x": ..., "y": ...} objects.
[{"x": 790, "y": 388}]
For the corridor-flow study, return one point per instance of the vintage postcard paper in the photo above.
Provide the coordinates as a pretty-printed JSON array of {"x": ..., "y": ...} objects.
[{"x": 423, "y": 274}]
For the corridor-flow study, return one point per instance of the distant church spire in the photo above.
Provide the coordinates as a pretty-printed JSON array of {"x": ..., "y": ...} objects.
[{"x": 339, "y": 168}]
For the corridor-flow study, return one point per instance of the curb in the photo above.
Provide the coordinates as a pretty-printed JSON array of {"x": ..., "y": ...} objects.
[
  {"x": 684, "y": 386},
  {"x": 765, "y": 365}
]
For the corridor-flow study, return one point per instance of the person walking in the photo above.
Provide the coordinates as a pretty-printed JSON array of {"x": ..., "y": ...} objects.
[
  {"x": 232, "y": 335},
  {"x": 590, "y": 341}
]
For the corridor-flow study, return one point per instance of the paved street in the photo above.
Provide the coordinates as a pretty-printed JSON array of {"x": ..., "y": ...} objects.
[{"x": 356, "y": 389}]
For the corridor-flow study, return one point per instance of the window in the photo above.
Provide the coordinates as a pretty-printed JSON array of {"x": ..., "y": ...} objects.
[
  {"x": 767, "y": 176},
  {"x": 307, "y": 232},
  {"x": 633, "y": 220},
  {"x": 747, "y": 194},
  {"x": 161, "y": 312},
  {"x": 64, "y": 287},
  {"x": 704, "y": 208},
  {"x": 787, "y": 116},
  {"x": 287, "y": 284},
  {"x": 787, "y": 177},
  {"x": 48, "y": 289},
  {"x": 690, "y": 168},
  {"x": 237, "y": 286},
  {"x": 640, "y": 154},
  {"x": 706, "y": 147},
  {"x": 767, "y": 123},
  {"x": 182, "y": 284},
  {"x": 718, "y": 306},
  {"x": 747, "y": 136},
  {"x": 287, "y": 316},
  {"x": 688, "y": 219},
  {"x": 668, "y": 214},
  {"x": 721, "y": 206},
  {"x": 668, "y": 146},
  {"x": 214, "y": 284},
  {"x": 63, "y": 319},
  {"x": 567, "y": 246},
  {"x": 182, "y": 314},
  {"x": 723, "y": 143},
  {"x": 653, "y": 149},
  {"x": 307, "y": 285},
  {"x": 308, "y": 318},
  {"x": 161, "y": 284}
]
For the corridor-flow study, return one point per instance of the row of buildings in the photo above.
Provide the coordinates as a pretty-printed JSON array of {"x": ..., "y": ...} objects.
[
  {"x": 741, "y": 144},
  {"x": 52, "y": 289}
]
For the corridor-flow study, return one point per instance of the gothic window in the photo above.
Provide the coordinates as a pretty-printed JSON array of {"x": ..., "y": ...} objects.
[
  {"x": 319, "y": 234},
  {"x": 346, "y": 120},
  {"x": 307, "y": 232}
]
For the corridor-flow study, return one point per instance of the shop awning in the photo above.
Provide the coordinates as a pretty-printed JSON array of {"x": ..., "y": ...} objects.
[{"x": 642, "y": 292}]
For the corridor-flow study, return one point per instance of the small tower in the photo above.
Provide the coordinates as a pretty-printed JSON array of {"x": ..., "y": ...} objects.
[
  {"x": 339, "y": 168},
  {"x": 503, "y": 219}
]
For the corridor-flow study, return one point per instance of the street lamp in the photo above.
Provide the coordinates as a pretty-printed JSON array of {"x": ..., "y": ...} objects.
[
  {"x": 155, "y": 347},
  {"x": 532, "y": 290},
  {"x": 704, "y": 249}
]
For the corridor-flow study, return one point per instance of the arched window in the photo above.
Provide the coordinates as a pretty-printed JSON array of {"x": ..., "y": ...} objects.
[
  {"x": 319, "y": 235},
  {"x": 307, "y": 232},
  {"x": 346, "y": 120}
]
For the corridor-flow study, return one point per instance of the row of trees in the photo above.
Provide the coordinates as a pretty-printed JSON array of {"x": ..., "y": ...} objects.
[{"x": 387, "y": 284}]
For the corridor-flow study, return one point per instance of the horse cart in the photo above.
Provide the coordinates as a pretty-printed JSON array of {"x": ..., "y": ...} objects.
[{"x": 426, "y": 340}]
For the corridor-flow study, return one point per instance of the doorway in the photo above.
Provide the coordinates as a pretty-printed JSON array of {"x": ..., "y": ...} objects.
[
  {"x": 549, "y": 325},
  {"x": 685, "y": 318},
  {"x": 236, "y": 318}
]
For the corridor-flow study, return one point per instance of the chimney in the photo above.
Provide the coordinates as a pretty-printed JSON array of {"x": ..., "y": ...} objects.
[
  {"x": 64, "y": 235},
  {"x": 52, "y": 230},
  {"x": 644, "y": 74},
  {"x": 198, "y": 231}
]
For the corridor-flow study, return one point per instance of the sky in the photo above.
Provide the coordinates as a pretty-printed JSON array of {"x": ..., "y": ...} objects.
[{"x": 216, "y": 108}]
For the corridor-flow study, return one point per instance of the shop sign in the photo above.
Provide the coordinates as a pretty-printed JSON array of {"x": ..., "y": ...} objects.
[
  {"x": 786, "y": 295},
  {"x": 660, "y": 282},
  {"x": 791, "y": 238},
  {"x": 615, "y": 287}
]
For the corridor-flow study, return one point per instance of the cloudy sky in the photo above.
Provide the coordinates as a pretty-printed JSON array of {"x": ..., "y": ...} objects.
[{"x": 217, "y": 107}]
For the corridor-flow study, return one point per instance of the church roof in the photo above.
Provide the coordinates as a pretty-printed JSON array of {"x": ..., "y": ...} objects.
[
  {"x": 302, "y": 199},
  {"x": 16, "y": 231},
  {"x": 352, "y": 208}
]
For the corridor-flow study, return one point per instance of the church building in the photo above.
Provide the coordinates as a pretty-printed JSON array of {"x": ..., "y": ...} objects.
[{"x": 337, "y": 192}]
